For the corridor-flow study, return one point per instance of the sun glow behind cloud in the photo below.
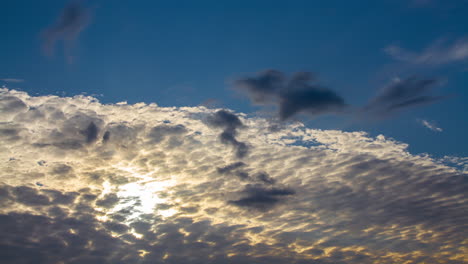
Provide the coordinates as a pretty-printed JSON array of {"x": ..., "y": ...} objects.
[
  {"x": 139, "y": 197},
  {"x": 157, "y": 185}
]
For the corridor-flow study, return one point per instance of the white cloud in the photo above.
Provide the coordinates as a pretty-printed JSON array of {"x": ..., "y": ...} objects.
[
  {"x": 431, "y": 125},
  {"x": 438, "y": 53},
  {"x": 113, "y": 191},
  {"x": 12, "y": 80}
]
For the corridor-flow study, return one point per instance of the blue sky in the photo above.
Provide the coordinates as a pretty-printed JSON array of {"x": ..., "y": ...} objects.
[
  {"x": 187, "y": 52},
  {"x": 260, "y": 132}
]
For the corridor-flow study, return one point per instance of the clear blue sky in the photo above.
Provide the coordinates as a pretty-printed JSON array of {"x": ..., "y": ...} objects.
[{"x": 182, "y": 53}]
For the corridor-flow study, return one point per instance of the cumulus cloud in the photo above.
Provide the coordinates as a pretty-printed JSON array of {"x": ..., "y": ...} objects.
[
  {"x": 115, "y": 188},
  {"x": 73, "y": 19},
  {"x": 438, "y": 53},
  {"x": 298, "y": 94},
  {"x": 431, "y": 125},
  {"x": 402, "y": 94}
]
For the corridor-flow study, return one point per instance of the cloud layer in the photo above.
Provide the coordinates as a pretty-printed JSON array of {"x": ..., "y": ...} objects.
[{"x": 85, "y": 182}]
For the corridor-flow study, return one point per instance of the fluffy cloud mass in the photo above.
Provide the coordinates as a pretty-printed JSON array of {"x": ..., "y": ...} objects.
[{"x": 85, "y": 182}]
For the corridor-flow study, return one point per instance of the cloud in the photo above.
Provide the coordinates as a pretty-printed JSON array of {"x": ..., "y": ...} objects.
[
  {"x": 438, "y": 53},
  {"x": 298, "y": 94},
  {"x": 261, "y": 198},
  {"x": 73, "y": 19},
  {"x": 230, "y": 123},
  {"x": 138, "y": 198},
  {"x": 12, "y": 80},
  {"x": 400, "y": 95},
  {"x": 430, "y": 125}
]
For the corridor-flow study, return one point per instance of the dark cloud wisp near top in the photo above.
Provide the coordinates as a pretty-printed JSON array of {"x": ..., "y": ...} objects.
[{"x": 298, "y": 94}]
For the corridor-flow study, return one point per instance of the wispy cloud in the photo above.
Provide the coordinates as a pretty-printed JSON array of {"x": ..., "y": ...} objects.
[
  {"x": 400, "y": 95},
  {"x": 12, "y": 80},
  {"x": 431, "y": 125},
  {"x": 73, "y": 19},
  {"x": 438, "y": 53}
]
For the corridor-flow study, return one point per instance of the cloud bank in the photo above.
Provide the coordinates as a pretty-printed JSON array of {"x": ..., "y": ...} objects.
[{"x": 85, "y": 182}]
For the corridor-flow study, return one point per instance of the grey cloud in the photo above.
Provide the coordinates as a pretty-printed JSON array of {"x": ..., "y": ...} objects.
[
  {"x": 58, "y": 197},
  {"x": 29, "y": 196},
  {"x": 265, "y": 178},
  {"x": 75, "y": 133},
  {"x": 74, "y": 18},
  {"x": 262, "y": 198},
  {"x": 61, "y": 169},
  {"x": 91, "y": 133},
  {"x": 108, "y": 201},
  {"x": 12, "y": 104},
  {"x": 161, "y": 132},
  {"x": 237, "y": 170},
  {"x": 298, "y": 94},
  {"x": 436, "y": 54},
  {"x": 230, "y": 123},
  {"x": 231, "y": 167},
  {"x": 9, "y": 132},
  {"x": 402, "y": 94}
]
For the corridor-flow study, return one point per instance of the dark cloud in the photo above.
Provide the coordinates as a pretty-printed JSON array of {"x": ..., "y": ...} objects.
[
  {"x": 265, "y": 178},
  {"x": 298, "y": 94},
  {"x": 91, "y": 133},
  {"x": 9, "y": 132},
  {"x": 61, "y": 169},
  {"x": 229, "y": 168},
  {"x": 73, "y": 19},
  {"x": 230, "y": 123},
  {"x": 402, "y": 94},
  {"x": 259, "y": 197},
  {"x": 12, "y": 104},
  {"x": 77, "y": 132},
  {"x": 108, "y": 201},
  {"x": 237, "y": 169},
  {"x": 29, "y": 196},
  {"x": 106, "y": 136},
  {"x": 161, "y": 132}
]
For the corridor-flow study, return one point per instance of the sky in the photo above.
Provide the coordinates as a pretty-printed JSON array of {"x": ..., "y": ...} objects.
[{"x": 234, "y": 131}]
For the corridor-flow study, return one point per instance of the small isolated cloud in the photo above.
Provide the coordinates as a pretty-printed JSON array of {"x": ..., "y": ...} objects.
[
  {"x": 298, "y": 94},
  {"x": 438, "y": 53},
  {"x": 431, "y": 125},
  {"x": 400, "y": 95},
  {"x": 73, "y": 19},
  {"x": 12, "y": 80}
]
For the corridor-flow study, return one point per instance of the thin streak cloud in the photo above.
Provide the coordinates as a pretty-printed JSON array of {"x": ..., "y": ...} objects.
[{"x": 430, "y": 125}]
